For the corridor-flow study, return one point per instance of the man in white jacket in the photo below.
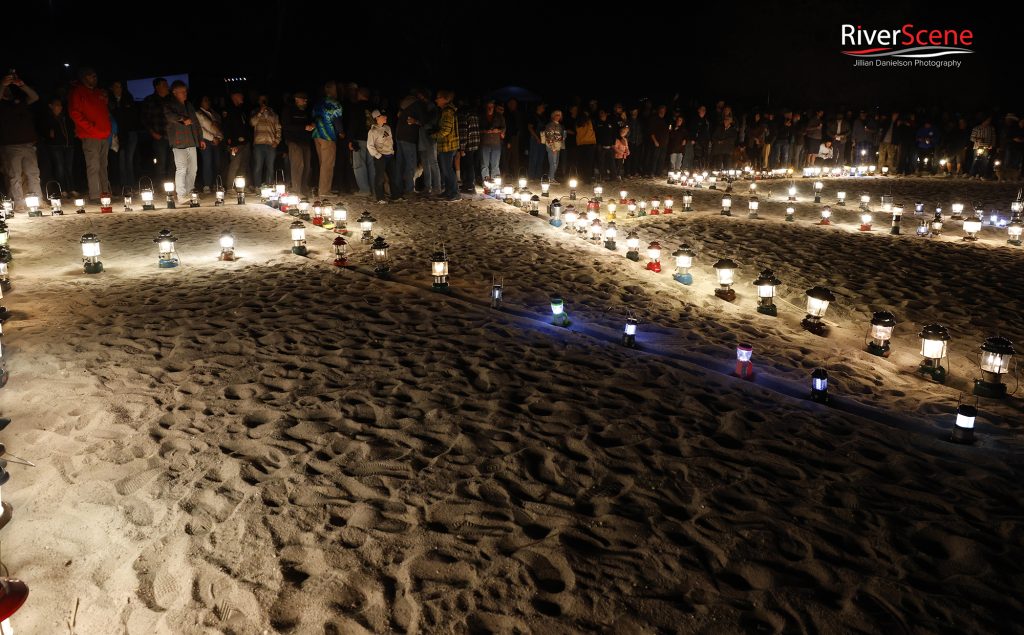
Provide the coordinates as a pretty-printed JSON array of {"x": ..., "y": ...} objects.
[{"x": 381, "y": 145}]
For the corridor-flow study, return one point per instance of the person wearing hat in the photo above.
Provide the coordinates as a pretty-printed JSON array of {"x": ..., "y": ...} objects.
[
  {"x": 297, "y": 126},
  {"x": 381, "y": 146}
]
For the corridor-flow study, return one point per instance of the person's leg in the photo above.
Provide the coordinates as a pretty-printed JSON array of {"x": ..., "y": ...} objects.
[
  {"x": 435, "y": 168},
  {"x": 295, "y": 176},
  {"x": 180, "y": 171},
  {"x": 57, "y": 161},
  {"x": 306, "y": 153},
  {"x": 207, "y": 161},
  {"x": 192, "y": 167},
  {"x": 552, "y": 163},
  {"x": 104, "y": 165},
  {"x": 326, "y": 151},
  {"x": 378, "y": 179},
  {"x": 359, "y": 168},
  {"x": 90, "y": 148},
  {"x": 259, "y": 158},
  {"x": 129, "y": 148},
  {"x": 536, "y": 161}
]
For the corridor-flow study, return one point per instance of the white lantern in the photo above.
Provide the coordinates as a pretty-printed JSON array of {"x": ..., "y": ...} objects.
[
  {"x": 366, "y": 225},
  {"x": 227, "y": 246},
  {"x": 240, "y": 189},
  {"x": 91, "y": 253},
  {"x": 971, "y": 227},
  {"x": 818, "y": 299},
  {"x": 934, "y": 338},
  {"x": 381, "y": 257},
  {"x": 439, "y": 270},
  {"x": 167, "y": 253}
]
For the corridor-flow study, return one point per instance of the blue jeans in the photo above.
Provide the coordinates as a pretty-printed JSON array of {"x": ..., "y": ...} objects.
[
  {"x": 489, "y": 158},
  {"x": 184, "y": 170},
  {"x": 405, "y": 169},
  {"x": 62, "y": 162},
  {"x": 446, "y": 163},
  {"x": 536, "y": 164},
  {"x": 129, "y": 142},
  {"x": 263, "y": 164},
  {"x": 211, "y": 164},
  {"x": 362, "y": 167},
  {"x": 780, "y": 154},
  {"x": 552, "y": 163},
  {"x": 431, "y": 170}
]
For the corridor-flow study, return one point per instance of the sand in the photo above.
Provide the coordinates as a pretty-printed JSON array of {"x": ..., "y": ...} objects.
[{"x": 276, "y": 445}]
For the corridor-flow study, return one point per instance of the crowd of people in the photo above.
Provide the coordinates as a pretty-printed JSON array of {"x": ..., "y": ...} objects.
[{"x": 347, "y": 139}]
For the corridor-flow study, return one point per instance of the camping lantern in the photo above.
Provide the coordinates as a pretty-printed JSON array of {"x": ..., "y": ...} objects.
[
  {"x": 936, "y": 224},
  {"x": 818, "y": 187},
  {"x": 298, "y": 234},
  {"x": 508, "y": 194},
  {"x": 328, "y": 215},
  {"x": 684, "y": 260},
  {"x": 366, "y": 225},
  {"x": 265, "y": 192},
  {"x": 1013, "y": 231},
  {"x": 655, "y": 207},
  {"x": 439, "y": 270},
  {"x": 570, "y": 217},
  {"x": 726, "y": 205},
  {"x": 146, "y": 194},
  {"x": 126, "y": 194},
  {"x": 712, "y": 182},
  {"x": 595, "y": 230},
  {"x": 725, "y": 269},
  {"x": 5, "y": 233},
  {"x": 631, "y": 208},
  {"x": 32, "y": 203},
  {"x": 668, "y": 203},
  {"x": 996, "y": 354},
  {"x": 622, "y": 196},
  {"x": 279, "y": 186},
  {"x": 971, "y": 228},
  {"x": 105, "y": 204},
  {"x": 523, "y": 200},
  {"x": 826, "y": 216},
  {"x": 897, "y": 217},
  {"x": 629, "y": 332},
  {"x": 7, "y": 205},
  {"x": 558, "y": 315},
  {"x": 497, "y": 287},
  {"x": 227, "y": 246},
  {"x": 842, "y": 198},
  {"x": 612, "y": 207},
  {"x": 91, "y": 253},
  {"x": 792, "y": 192},
  {"x": 744, "y": 367},
  {"x": 882, "y": 324},
  {"x": 583, "y": 220},
  {"x": 654, "y": 253},
  {"x": 789, "y": 214},
  {"x": 572, "y": 188},
  {"x": 593, "y": 211},
  {"x": 610, "y": 234},
  {"x": 886, "y": 201},
  {"x": 193, "y": 198},
  {"x": 934, "y": 338},
  {"x": 819, "y": 385},
  {"x": 865, "y": 222},
  {"x": 641, "y": 208},
  {"x": 340, "y": 251},
  {"x": 318, "y": 214},
  {"x": 598, "y": 191},
  {"x": 919, "y": 208},
  {"x": 304, "y": 209},
  {"x": 54, "y": 198},
  {"x": 753, "y": 187},
  {"x": 963, "y": 428},
  {"x": 56, "y": 210},
  {"x": 958, "y": 211},
  {"x": 993, "y": 219},
  {"x": 5, "y": 267},
  {"x": 79, "y": 205},
  {"x": 687, "y": 201},
  {"x": 752, "y": 206},
  {"x": 922, "y": 229},
  {"x": 167, "y": 254},
  {"x": 818, "y": 299},
  {"x": 545, "y": 187},
  {"x": 766, "y": 283},
  {"x": 240, "y": 189},
  {"x": 522, "y": 183},
  {"x": 864, "y": 200},
  {"x": 381, "y": 258},
  {"x": 169, "y": 193},
  {"x": 633, "y": 246},
  {"x": 555, "y": 210},
  {"x": 340, "y": 220},
  {"x": 218, "y": 195}
]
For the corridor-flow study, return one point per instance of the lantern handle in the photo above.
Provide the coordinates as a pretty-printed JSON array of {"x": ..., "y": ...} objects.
[
  {"x": 60, "y": 192},
  {"x": 146, "y": 178}
]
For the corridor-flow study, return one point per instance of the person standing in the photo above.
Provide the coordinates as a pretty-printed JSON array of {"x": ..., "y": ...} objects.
[
  {"x": 723, "y": 143},
  {"x": 838, "y": 130},
  {"x": 622, "y": 153},
  {"x": 428, "y": 145},
  {"x": 639, "y": 146},
  {"x": 18, "y": 138},
  {"x": 266, "y": 137},
  {"x": 657, "y": 136},
  {"x": 554, "y": 140},
  {"x": 701, "y": 133},
  {"x": 812, "y": 136},
  {"x": 447, "y": 137},
  {"x": 586, "y": 146},
  {"x": 381, "y": 147},
  {"x": 154, "y": 120},
  {"x": 59, "y": 139},
  {"x": 89, "y": 109},
  {"x": 238, "y": 135},
  {"x": 606, "y": 133},
  {"x": 678, "y": 137},
  {"x": 128, "y": 119},
  {"x": 491, "y": 138},
  {"x": 185, "y": 136},
  {"x": 407, "y": 134},
  {"x": 983, "y": 139},
  {"x": 297, "y": 125},
  {"x": 534, "y": 127},
  {"x": 213, "y": 135},
  {"x": 469, "y": 147},
  {"x": 358, "y": 121},
  {"x": 927, "y": 139},
  {"x": 510, "y": 158}
]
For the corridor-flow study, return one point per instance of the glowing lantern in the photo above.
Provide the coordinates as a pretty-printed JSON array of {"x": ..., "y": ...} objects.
[
  {"x": 934, "y": 338},
  {"x": 328, "y": 212},
  {"x": 897, "y": 217},
  {"x": 688, "y": 201},
  {"x": 865, "y": 222},
  {"x": 971, "y": 228},
  {"x": 819, "y": 385},
  {"x": 303, "y": 208},
  {"x": 265, "y": 192},
  {"x": 633, "y": 246},
  {"x": 558, "y": 315},
  {"x": 610, "y": 234},
  {"x": 146, "y": 194},
  {"x": 218, "y": 194},
  {"x": 963, "y": 428},
  {"x": 1014, "y": 231},
  {"x": 508, "y": 193},
  {"x": 882, "y": 325},
  {"x": 725, "y": 268},
  {"x": 996, "y": 355},
  {"x": 5, "y": 267},
  {"x": 598, "y": 191},
  {"x": 641, "y": 208},
  {"x": 297, "y": 231},
  {"x": 864, "y": 200},
  {"x": 522, "y": 183},
  {"x": 936, "y": 224},
  {"x": 818, "y": 299},
  {"x": 818, "y": 187},
  {"x": 381, "y": 256},
  {"x": 744, "y": 367},
  {"x": 752, "y": 206},
  {"x": 5, "y": 234},
  {"x": 32, "y": 203},
  {"x": 958, "y": 210},
  {"x": 572, "y": 188},
  {"x": 684, "y": 261},
  {"x": 79, "y": 205},
  {"x": 7, "y": 206},
  {"x": 169, "y": 193},
  {"x": 629, "y": 332},
  {"x": 570, "y": 217},
  {"x": 654, "y": 254},
  {"x": 668, "y": 206},
  {"x": 766, "y": 283},
  {"x": 497, "y": 288},
  {"x": 826, "y": 216},
  {"x": 54, "y": 198},
  {"x": 622, "y": 196},
  {"x": 439, "y": 270},
  {"x": 886, "y": 201},
  {"x": 726, "y": 205},
  {"x": 545, "y": 187},
  {"x": 340, "y": 220},
  {"x": 789, "y": 214},
  {"x": 340, "y": 251},
  {"x": 227, "y": 246},
  {"x": 918, "y": 208},
  {"x": 193, "y": 198},
  {"x": 612, "y": 207},
  {"x": 240, "y": 189},
  {"x": 366, "y": 225},
  {"x": 922, "y": 229},
  {"x": 167, "y": 254},
  {"x": 91, "y": 253},
  {"x": 655, "y": 207},
  {"x": 631, "y": 208},
  {"x": 842, "y": 198},
  {"x": 318, "y": 214},
  {"x": 791, "y": 192}
]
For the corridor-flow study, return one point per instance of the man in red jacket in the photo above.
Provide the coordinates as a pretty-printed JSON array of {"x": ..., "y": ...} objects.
[{"x": 87, "y": 106}]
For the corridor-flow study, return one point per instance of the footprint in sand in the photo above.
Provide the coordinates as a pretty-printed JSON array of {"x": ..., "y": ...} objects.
[{"x": 164, "y": 575}]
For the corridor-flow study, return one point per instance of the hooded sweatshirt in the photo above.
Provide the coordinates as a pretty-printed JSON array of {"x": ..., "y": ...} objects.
[{"x": 379, "y": 141}]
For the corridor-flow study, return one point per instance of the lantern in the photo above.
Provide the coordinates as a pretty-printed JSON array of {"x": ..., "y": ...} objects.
[
  {"x": 958, "y": 210},
  {"x": 218, "y": 194},
  {"x": 583, "y": 220},
  {"x": 897, "y": 217},
  {"x": 522, "y": 183},
  {"x": 963, "y": 428},
  {"x": 572, "y": 189},
  {"x": 558, "y": 315},
  {"x": 227, "y": 246},
  {"x": 752, "y": 206},
  {"x": 936, "y": 224},
  {"x": 497, "y": 287},
  {"x": 886, "y": 202},
  {"x": 193, "y": 198},
  {"x": 629, "y": 332},
  {"x": 303, "y": 208},
  {"x": 55, "y": 200},
  {"x": 555, "y": 211},
  {"x": 340, "y": 251},
  {"x": 5, "y": 233},
  {"x": 328, "y": 215},
  {"x": 826, "y": 216},
  {"x": 934, "y": 338},
  {"x": 668, "y": 203},
  {"x": 1014, "y": 230},
  {"x": 725, "y": 269},
  {"x": 496, "y": 187},
  {"x": 655, "y": 207},
  {"x": 996, "y": 355},
  {"x": 918, "y": 208},
  {"x": 318, "y": 214},
  {"x": 32, "y": 203},
  {"x": 79, "y": 205},
  {"x": 508, "y": 193},
  {"x": 169, "y": 193},
  {"x": 598, "y": 191},
  {"x": 106, "y": 206},
  {"x": 146, "y": 194},
  {"x": 766, "y": 283},
  {"x": 654, "y": 254},
  {"x": 789, "y": 214},
  {"x": 922, "y": 229},
  {"x": 864, "y": 200},
  {"x": 340, "y": 217},
  {"x": 622, "y": 196},
  {"x": 865, "y": 222},
  {"x": 545, "y": 187},
  {"x": 882, "y": 324},
  {"x": 818, "y": 187},
  {"x": 712, "y": 182},
  {"x": 91, "y": 253},
  {"x": 240, "y": 189},
  {"x": 684, "y": 260},
  {"x": 167, "y": 254},
  {"x": 631, "y": 208},
  {"x": 726, "y": 205},
  {"x": 753, "y": 187},
  {"x": 265, "y": 192},
  {"x": 610, "y": 234},
  {"x": 819, "y": 385},
  {"x": 570, "y": 217},
  {"x": 7, "y": 205},
  {"x": 381, "y": 257},
  {"x": 612, "y": 207},
  {"x": 641, "y": 208},
  {"x": 818, "y": 299},
  {"x": 524, "y": 200},
  {"x": 971, "y": 228},
  {"x": 633, "y": 246},
  {"x": 298, "y": 235},
  {"x": 744, "y": 367},
  {"x": 842, "y": 198},
  {"x": 595, "y": 230},
  {"x": 791, "y": 192},
  {"x": 687, "y": 201},
  {"x": 5, "y": 267},
  {"x": 366, "y": 225}
]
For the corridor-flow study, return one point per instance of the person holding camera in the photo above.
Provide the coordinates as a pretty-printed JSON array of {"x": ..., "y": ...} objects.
[{"x": 18, "y": 138}]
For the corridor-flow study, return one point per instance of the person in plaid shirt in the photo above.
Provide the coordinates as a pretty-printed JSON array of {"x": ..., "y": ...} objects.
[
  {"x": 469, "y": 146},
  {"x": 185, "y": 135},
  {"x": 447, "y": 137}
]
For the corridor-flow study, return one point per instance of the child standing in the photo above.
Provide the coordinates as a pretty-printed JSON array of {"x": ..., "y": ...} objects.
[
  {"x": 621, "y": 152},
  {"x": 381, "y": 146}
]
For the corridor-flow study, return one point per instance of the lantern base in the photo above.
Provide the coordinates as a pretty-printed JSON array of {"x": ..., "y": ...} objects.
[
  {"x": 752, "y": 215},
  {"x": 441, "y": 287},
  {"x": 633, "y": 255},
  {"x": 989, "y": 389},
  {"x": 713, "y": 187},
  {"x": 193, "y": 204},
  {"x": 227, "y": 256},
  {"x": 170, "y": 204},
  {"x": 880, "y": 351},
  {"x": 824, "y": 221},
  {"x": 341, "y": 230},
  {"x": 841, "y": 203},
  {"x": 814, "y": 326},
  {"x": 725, "y": 212},
  {"x": 970, "y": 238},
  {"x": 683, "y": 278},
  {"x": 865, "y": 228},
  {"x": 274, "y": 204},
  {"x": 106, "y": 210},
  {"x": 726, "y": 294},
  {"x": 80, "y": 211},
  {"x": 319, "y": 222},
  {"x": 609, "y": 244},
  {"x": 629, "y": 341},
  {"x": 35, "y": 213},
  {"x": 687, "y": 208},
  {"x": 93, "y": 267},
  {"x": 791, "y": 199},
  {"x": 545, "y": 194},
  {"x": 218, "y": 203},
  {"x": 561, "y": 320},
  {"x": 895, "y": 231},
  {"x": 534, "y": 212},
  {"x": 817, "y": 199},
  {"x": 555, "y": 222},
  {"x": 962, "y": 435},
  {"x": 956, "y": 217},
  {"x": 771, "y": 310},
  {"x": 58, "y": 212},
  {"x": 328, "y": 225},
  {"x": 1014, "y": 242},
  {"x": 300, "y": 251},
  {"x": 819, "y": 396},
  {"x": 937, "y": 373},
  {"x": 654, "y": 212},
  {"x": 241, "y": 199},
  {"x": 667, "y": 210},
  {"x": 148, "y": 208},
  {"x": 789, "y": 218},
  {"x": 167, "y": 264},
  {"x": 744, "y": 370},
  {"x": 341, "y": 262},
  {"x": 382, "y": 271},
  {"x": 654, "y": 266}
]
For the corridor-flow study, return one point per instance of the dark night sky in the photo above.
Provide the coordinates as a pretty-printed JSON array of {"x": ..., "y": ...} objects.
[{"x": 786, "y": 53}]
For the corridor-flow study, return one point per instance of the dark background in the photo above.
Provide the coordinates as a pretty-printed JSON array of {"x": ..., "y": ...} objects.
[{"x": 758, "y": 54}]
